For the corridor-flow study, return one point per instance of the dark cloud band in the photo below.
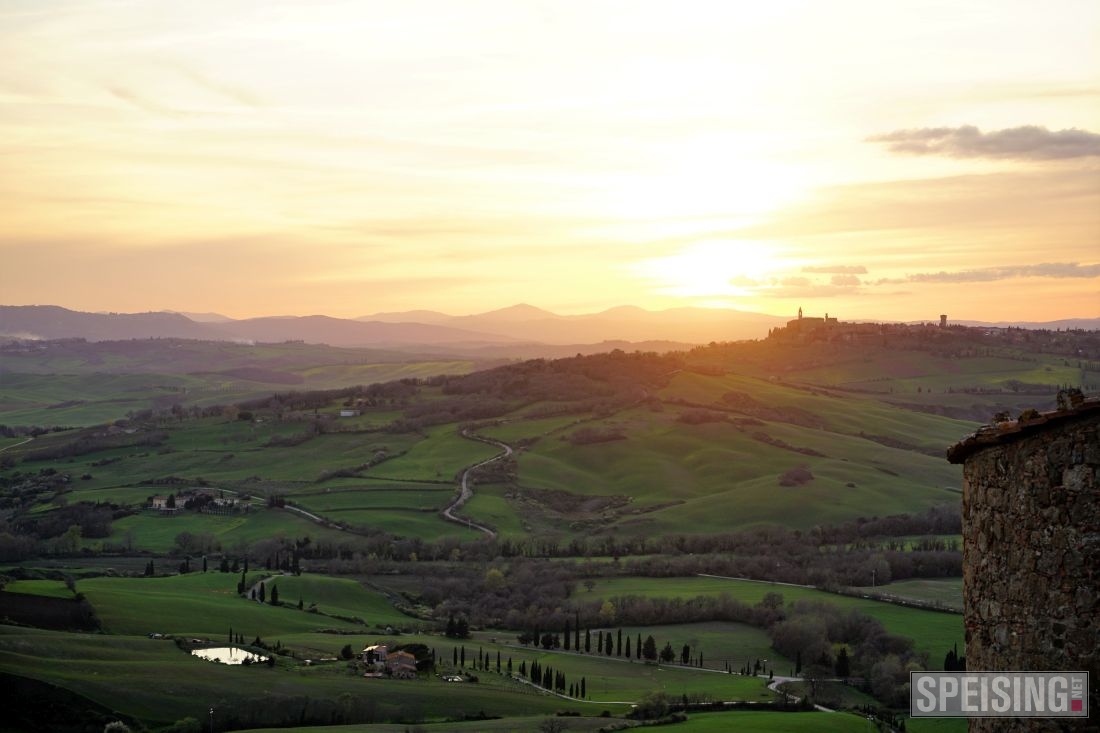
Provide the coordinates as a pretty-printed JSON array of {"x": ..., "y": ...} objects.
[
  {"x": 991, "y": 274},
  {"x": 1029, "y": 142}
]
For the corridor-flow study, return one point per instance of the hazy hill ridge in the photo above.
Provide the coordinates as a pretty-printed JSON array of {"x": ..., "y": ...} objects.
[{"x": 494, "y": 333}]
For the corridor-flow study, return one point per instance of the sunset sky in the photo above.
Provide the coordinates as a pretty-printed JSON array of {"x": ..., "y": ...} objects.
[{"x": 886, "y": 160}]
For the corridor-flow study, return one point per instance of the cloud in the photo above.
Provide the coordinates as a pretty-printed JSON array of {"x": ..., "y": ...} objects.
[
  {"x": 810, "y": 290},
  {"x": 235, "y": 93},
  {"x": 1029, "y": 142},
  {"x": 845, "y": 280},
  {"x": 144, "y": 103},
  {"x": 838, "y": 269},
  {"x": 992, "y": 274}
]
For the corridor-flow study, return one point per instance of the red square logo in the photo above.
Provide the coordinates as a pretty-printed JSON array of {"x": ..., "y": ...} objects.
[{"x": 1077, "y": 706}]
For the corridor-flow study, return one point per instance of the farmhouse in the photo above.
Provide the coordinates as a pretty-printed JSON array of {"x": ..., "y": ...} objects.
[
  {"x": 164, "y": 504},
  {"x": 375, "y": 653},
  {"x": 401, "y": 665}
]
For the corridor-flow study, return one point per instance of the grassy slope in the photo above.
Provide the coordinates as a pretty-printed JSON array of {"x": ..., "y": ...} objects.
[
  {"x": 717, "y": 476},
  {"x": 741, "y": 721},
  {"x": 762, "y": 722},
  {"x": 110, "y": 379},
  {"x": 158, "y": 533},
  {"x": 609, "y": 679},
  {"x": 155, "y": 681},
  {"x": 207, "y": 604},
  {"x": 945, "y": 591},
  {"x": 932, "y": 631}
]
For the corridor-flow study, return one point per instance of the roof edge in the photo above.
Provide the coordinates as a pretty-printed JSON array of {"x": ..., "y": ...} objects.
[{"x": 1001, "y": 433}]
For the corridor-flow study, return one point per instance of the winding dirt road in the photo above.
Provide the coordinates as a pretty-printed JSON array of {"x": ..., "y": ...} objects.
[{"x": 466, "y": 492}]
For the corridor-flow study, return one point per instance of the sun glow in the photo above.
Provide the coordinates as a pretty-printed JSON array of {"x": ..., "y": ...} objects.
[
  {"x": 714, "y": 176},
  {"x": 714, "y": 268}
]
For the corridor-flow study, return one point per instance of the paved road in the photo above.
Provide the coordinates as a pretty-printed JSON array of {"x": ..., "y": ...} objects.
[
  {"x": 776, "y": 682},
  {"x": 466, "y": 492}
]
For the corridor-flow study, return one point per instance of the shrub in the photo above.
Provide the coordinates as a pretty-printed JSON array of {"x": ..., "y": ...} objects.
[{"x": 796, "y": 477}]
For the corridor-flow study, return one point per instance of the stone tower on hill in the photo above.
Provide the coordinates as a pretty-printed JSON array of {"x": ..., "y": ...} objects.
[{"x": 1031, "y": 551}]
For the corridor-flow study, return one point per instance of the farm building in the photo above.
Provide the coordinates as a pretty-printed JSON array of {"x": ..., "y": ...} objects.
[
  {"x": 373, "y": 654},
  {"x": 401, "y": 665}
]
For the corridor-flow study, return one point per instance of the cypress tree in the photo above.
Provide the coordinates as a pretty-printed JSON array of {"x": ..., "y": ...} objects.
[
  {"x": 649, "y": 650},
  {"x": 619, "y": 644},
  {"x": 584, "y": 692},
  {"x": 577, "y": 630},
  {"x": 568, "y": 635}
]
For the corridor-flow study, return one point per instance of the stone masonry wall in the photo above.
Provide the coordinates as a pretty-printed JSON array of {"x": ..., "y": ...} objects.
[{"x": 1031, "y": 559}]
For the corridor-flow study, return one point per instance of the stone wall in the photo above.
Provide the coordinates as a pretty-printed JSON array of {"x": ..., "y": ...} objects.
[{"x": 1031, "y": 555}]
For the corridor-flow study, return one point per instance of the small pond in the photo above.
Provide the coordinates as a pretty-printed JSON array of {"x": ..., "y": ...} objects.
[{"x": 229, "y": 655}]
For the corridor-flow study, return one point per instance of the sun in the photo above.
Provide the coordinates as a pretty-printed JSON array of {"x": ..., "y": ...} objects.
[{"x": 713, "y": 269}]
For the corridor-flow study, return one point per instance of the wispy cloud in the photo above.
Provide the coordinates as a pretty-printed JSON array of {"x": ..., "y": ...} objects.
[
  {"x": 233, "y": 92},
  {"x": 144, "y": 103},
  {"x": 837, "y": 269},
  {"x": 991, "y": 274},
  {"x": 1029, "y": 142}
]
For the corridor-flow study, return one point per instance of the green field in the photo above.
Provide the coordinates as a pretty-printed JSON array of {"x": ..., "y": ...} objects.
[
  {"x": 768, "y": 722},
  {"x": 933, "y": 632},
  {"x": 612, "y": 680},
  {"x": 49, "y": 588},
  {"x": 439, "y": 458},
  {"x": 490, "y": 505},
  {"x": 718, "y": 476},
  {"x": 153, "y": 531},
  {"x": 945, "y": 592},
  {"x": 97, "y": 383},
  {"x": 525, "y": 724},
  {"x": 207, "y": 604},
  {"x": 740, "y": 721},
  {"x": 156, "y": 682}
]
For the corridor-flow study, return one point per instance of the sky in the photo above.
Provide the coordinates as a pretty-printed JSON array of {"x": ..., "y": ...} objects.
[{"x": 869, "y": 159}]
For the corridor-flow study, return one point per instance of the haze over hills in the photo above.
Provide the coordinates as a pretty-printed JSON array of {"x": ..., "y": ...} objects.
[{"x": 519, "y": 330}]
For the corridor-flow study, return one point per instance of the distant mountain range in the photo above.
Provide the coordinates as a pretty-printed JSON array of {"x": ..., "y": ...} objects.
[
  {"x": 519, "y": 330},
  {"x": 626, "y": 323}
]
